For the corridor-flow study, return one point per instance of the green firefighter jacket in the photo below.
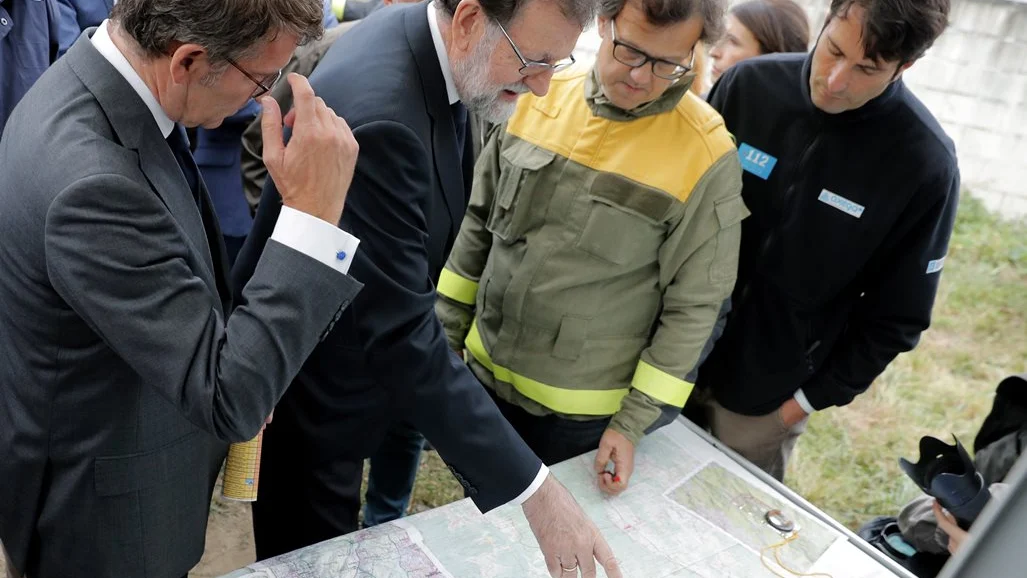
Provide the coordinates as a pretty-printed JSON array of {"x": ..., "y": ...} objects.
[{"x": 597, "y": 250}]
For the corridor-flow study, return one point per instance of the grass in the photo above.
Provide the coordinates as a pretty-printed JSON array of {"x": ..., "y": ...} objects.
[
  {"x": 847, "y": 462},
  {"x": 435, "y": 485}
]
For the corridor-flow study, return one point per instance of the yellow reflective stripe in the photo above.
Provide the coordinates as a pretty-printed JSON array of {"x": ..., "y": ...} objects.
[
  {"x": 457, "y": 288},
  {"x": 660, "y": 385},
  {"x": 565, "y": 401}
]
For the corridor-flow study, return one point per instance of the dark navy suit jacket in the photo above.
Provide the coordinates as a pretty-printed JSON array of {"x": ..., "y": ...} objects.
[{"x": 387, "y": 358}]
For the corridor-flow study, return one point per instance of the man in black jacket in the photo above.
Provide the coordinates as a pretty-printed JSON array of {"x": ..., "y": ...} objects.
[{"x": 853, "y": 188}]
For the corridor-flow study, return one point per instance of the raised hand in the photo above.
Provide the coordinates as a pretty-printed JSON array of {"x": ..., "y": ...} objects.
[{"x": 314, "y": 171}]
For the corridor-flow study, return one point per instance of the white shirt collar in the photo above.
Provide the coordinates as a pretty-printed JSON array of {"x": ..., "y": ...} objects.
[
  {"x": 104, "y": 45},
  {"x": 440, "y": 49}
]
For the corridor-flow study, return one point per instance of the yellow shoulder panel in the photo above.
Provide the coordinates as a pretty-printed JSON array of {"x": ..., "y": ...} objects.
[
  {"x": 669, "y": 151},
  {"x": 554, "y": 121},
  {"x": 708, "y": 123}
]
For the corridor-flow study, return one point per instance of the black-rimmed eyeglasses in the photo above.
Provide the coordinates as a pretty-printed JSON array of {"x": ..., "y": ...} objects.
[
  {"x": 264, "y": 85},
  {"x": 630, "y": 56},
  {"x": 534, "y": 67}
]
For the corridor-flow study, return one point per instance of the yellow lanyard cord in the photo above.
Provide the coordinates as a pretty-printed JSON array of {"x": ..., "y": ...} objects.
[{"x": 777, "y": 558}]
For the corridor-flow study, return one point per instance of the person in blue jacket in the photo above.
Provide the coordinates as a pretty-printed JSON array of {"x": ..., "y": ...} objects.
[
  {"x": 78, "y": 15},
  {"x": 29, "y": 31}
]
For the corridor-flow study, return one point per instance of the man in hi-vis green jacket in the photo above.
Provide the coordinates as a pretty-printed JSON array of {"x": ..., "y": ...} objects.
[{"x": 600, "y": 242}]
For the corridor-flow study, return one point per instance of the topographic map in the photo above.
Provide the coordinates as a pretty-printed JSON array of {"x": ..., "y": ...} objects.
[
  {"x": 691, "y": 512},
  {"x": 387, "y": 551}
]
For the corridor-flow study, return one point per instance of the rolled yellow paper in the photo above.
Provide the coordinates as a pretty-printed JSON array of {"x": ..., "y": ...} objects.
[{"x": 242, "y": 470}]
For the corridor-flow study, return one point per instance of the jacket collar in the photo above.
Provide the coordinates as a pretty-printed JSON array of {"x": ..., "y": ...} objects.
[
  {"x": 448, "y": 165},
  {"x": 602, "y": 107},
  {"x": 136, "y": 129}
]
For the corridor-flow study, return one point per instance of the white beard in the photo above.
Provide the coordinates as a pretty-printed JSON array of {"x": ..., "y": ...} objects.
[{"x": 477, "y": 92}]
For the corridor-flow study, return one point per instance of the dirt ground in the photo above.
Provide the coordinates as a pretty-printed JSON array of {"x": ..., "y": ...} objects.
[{"x": 229, "y": 539}]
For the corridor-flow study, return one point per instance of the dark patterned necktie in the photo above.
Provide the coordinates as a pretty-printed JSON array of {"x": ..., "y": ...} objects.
[
  {"x": 460, "y": 124},
  {"x": 179, "y": 143}
]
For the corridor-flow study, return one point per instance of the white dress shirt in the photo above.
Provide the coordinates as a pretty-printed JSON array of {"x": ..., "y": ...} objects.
[
  {"x": 803, "y": 401},
  {"x": 300, "y": 231},
  {"x": 454, "y": 97}
]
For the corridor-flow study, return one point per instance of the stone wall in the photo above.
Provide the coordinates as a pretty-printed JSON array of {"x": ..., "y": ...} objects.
[{"x": 974, "y": 79}]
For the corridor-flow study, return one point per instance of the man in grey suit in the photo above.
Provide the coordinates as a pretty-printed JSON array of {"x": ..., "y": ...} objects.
[{"x": 122, "y": 376}]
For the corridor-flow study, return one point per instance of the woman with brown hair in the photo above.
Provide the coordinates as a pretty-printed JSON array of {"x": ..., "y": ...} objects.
[{"x": 759, "y": 27}]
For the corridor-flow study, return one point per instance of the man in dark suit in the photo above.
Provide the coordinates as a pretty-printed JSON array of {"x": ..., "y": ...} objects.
[
  {"x": 123, "y": 377},
  {"x": 393, "y": 467},
  {"x": 402, "y": 78}
]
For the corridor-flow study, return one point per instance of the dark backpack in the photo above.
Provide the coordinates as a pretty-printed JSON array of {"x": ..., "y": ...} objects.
[{"x": 883, "y": 533}]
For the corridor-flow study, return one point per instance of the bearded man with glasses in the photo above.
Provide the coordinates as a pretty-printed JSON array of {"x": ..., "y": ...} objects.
[
  {"x": 600, "y": 241},
  {"x": 406, "y": 78}
]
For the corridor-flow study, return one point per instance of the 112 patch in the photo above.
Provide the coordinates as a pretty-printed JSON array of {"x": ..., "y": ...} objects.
[{"x": 755, "y": 161}]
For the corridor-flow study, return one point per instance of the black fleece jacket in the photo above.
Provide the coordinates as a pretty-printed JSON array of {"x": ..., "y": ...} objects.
[{"x": 840, "y": 260}]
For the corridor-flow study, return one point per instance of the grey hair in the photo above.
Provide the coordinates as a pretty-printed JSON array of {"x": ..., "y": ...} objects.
[
  {"x": 504, "y": 11},
  {"x": 666, "y": 12},
  {"x": 228, "y": 29}
]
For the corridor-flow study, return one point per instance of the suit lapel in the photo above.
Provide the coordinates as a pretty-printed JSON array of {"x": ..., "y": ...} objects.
[
  {"x": 468, "y": 159},
  {"x": 162, "y": 171},
  {"x": 136, "y": 129},
  {"x": 448, "y": 166}
]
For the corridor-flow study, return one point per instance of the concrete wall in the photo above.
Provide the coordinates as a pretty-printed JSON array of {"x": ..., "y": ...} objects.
[{"x": 974, "y": 80}]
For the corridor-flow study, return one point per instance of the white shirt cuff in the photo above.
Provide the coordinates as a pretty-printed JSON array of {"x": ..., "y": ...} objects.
[
  {"x": 316, "y": 238},
  {"x": 533, "y": 487},
  {"x": 804, "y": 403}
]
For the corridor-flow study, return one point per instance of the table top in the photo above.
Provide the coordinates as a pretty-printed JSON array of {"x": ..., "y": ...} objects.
[{"x": 694, "y": 510}]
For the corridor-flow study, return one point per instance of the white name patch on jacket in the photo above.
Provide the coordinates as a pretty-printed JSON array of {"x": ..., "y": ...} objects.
[{"x": 841, "y": 203}]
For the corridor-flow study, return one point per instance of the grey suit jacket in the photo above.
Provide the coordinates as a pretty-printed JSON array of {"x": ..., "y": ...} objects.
[{"x": 122, "y": 378}]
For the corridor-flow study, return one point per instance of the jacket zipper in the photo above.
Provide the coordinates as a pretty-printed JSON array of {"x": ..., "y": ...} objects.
[
  {"x": 809, "y": 353},
  {"x": 786, "y": 202}
]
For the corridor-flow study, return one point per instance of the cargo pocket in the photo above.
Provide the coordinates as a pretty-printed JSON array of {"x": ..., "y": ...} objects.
[
  {"x": 136, "y": 495},
  {"x": 571, "y": 338},
  {"x": 730, "y": 213},
  {"x": 522, "y": 163},
  {"x": 625, "y": 220}
]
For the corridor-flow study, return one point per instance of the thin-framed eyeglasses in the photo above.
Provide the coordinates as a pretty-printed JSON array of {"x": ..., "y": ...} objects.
[
  {"x": 264, "y": 85},
  {"x": 535, "y": 67},
  {"x": 662, "y": 68}
]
